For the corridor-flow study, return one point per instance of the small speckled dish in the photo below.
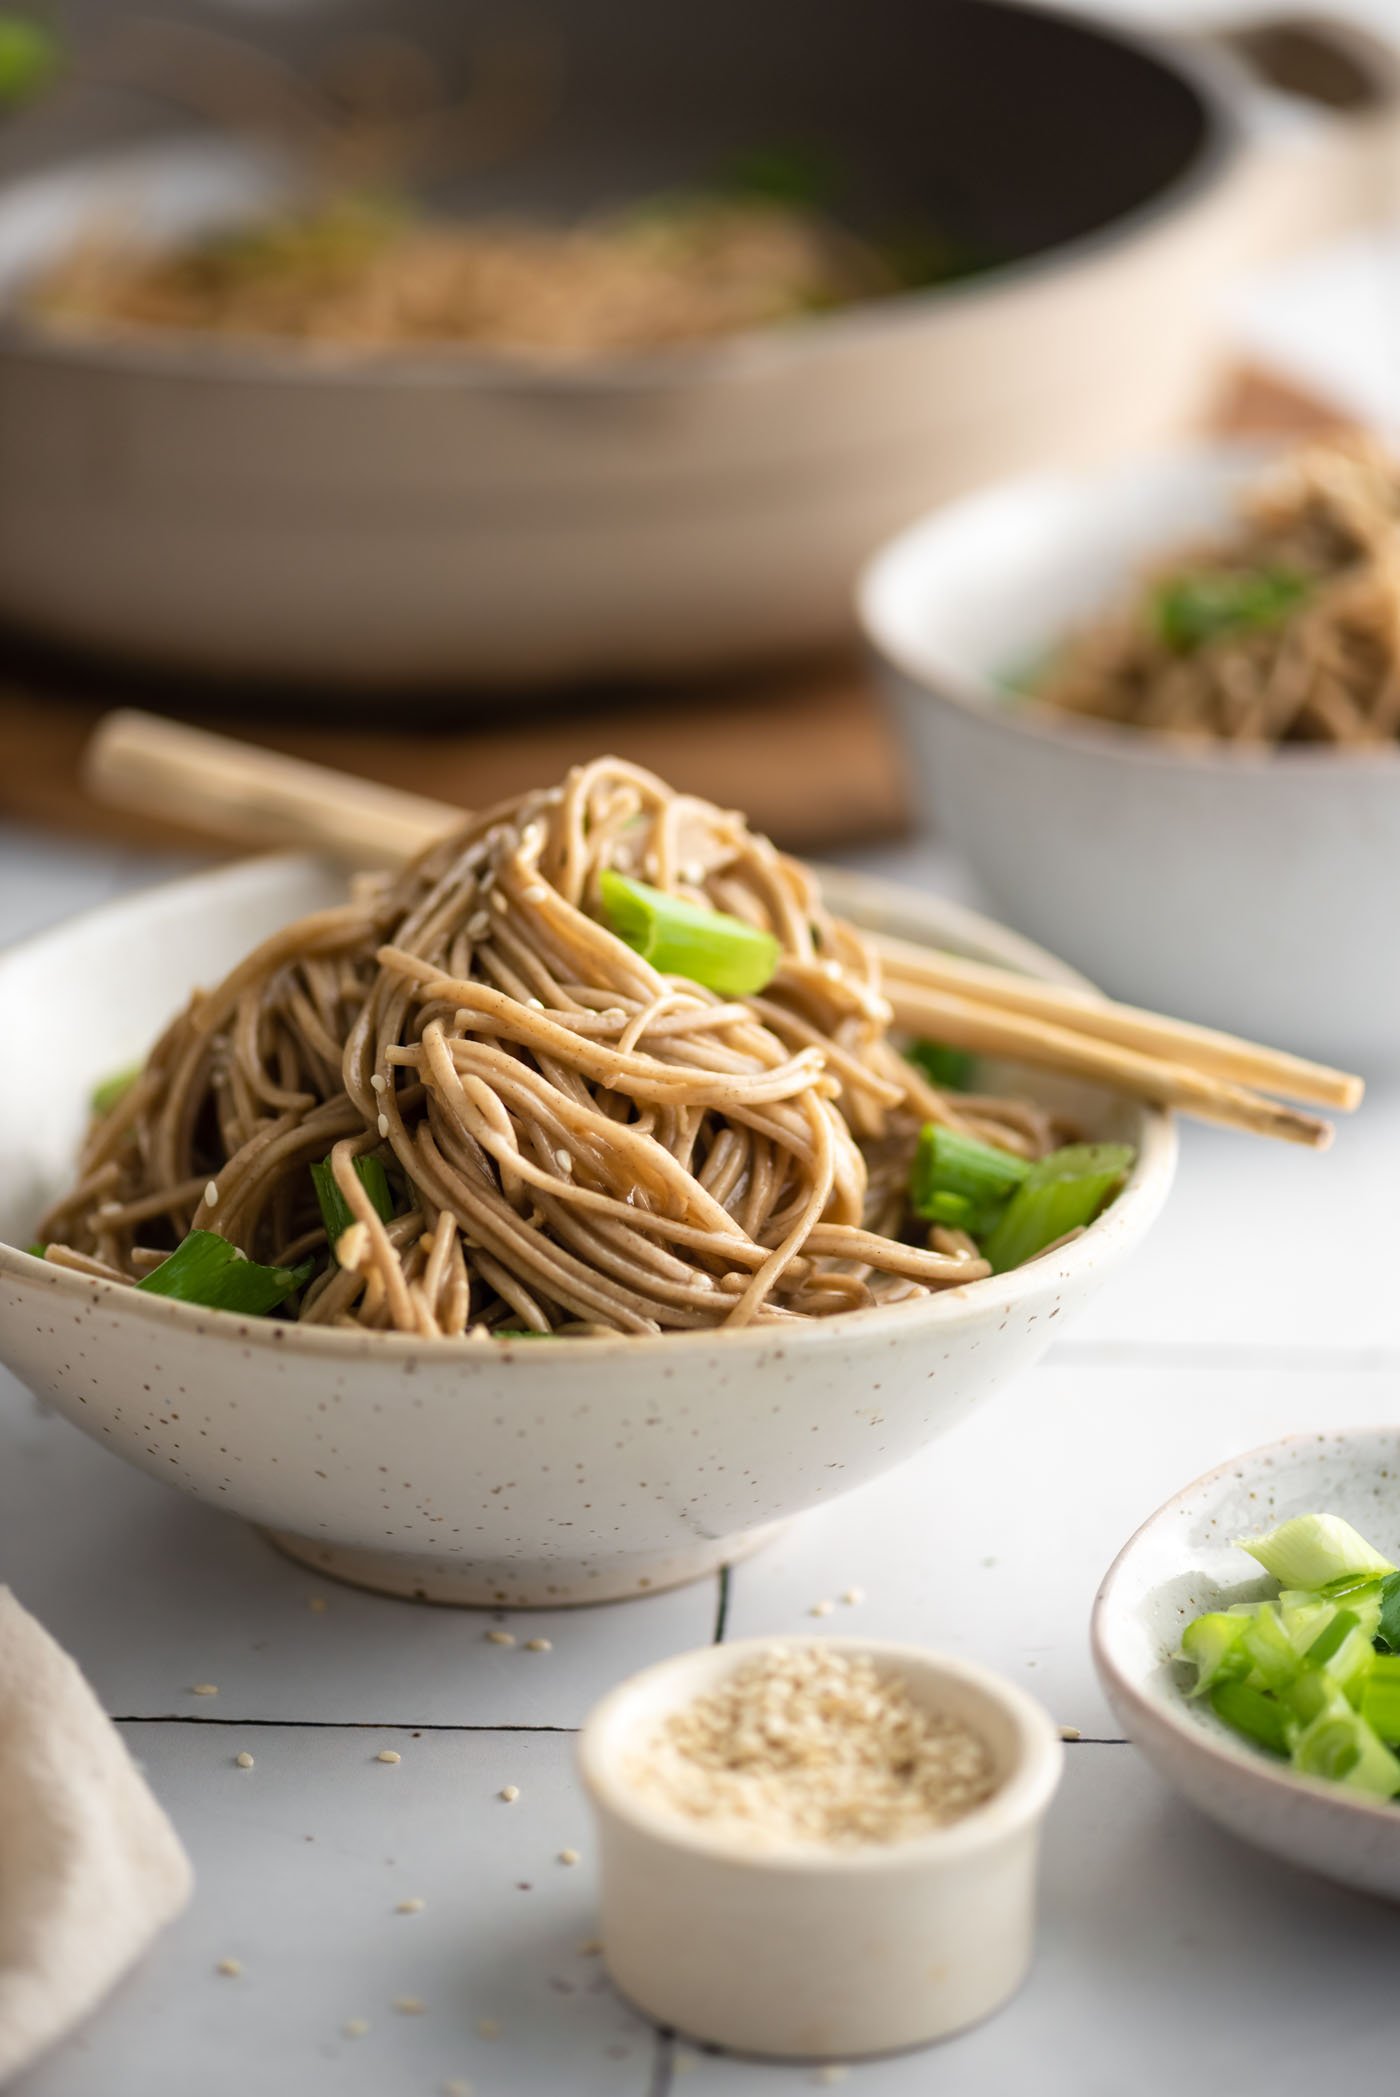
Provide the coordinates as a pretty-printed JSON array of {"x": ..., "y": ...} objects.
[
  {"x": 1181, "y": 1563},
  {"x": 816, "y": 1953},
  {"x": 516, "y": 1475}
]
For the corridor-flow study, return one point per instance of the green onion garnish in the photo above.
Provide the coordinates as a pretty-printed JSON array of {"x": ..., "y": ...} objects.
[
  {"x": 335, "y": 1210},
  {"x": 948, "y": 1068},
  {"x": 1058, "y": 1194},
  {"x": 207, "y": 1269},
  {"x": 29, "y": 58},
  {"x": 1314, "y": 1550},
  {"x": 1380, "y": 1698},
  {"x": 946, "y": 1162},
  {"x": 1191, "y": 610},
  {"x": 1251, "y": 1712},
  {"x": 106, "y": 1093},
  {"x": 680, "y": 939},
  {"x": 36, "y": 1249},
  {"x": 1388, "y": 1622},
  {"x": 1340, "y": 1745},
  {"x": 1214, "y": 1646}
]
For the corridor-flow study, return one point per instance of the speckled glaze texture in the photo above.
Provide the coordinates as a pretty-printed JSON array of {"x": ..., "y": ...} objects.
[
  {"x": 472, "y": 1472},
  {"x": 1181, "y": 1563}
]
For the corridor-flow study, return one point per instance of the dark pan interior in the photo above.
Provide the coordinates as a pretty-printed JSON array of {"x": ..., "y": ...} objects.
[{"x": 1010, "y": 130}]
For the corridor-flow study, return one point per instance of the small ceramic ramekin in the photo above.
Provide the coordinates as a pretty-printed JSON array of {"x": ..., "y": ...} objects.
[{"x": 815, "y": 1954}]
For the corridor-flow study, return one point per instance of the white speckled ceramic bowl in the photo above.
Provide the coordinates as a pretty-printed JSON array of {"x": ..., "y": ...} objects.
[
  {"x": 580, "y": 1471},
  {"x": 818, "y": 1952},
  {"x": 1247, "y": 888},
  {"x": 1181, "y": 1563}
]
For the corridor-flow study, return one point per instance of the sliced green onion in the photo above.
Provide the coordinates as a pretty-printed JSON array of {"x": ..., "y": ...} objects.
[
  {"x": 1059, "y": 1194},
  {"x": 1341, "y": 1746},
  {"x": 106, "y": 1094},
  {"x": 1380, "y": 1697},
  {"x": 1388, "y": 1621},
  {"x": 1214, "y": 1645},
  {"x": 948, "y": 1068},
  {"x": 1250, "y": 1712},
  {"x": 29, "y": 58},
  {"x": 207, "y": 1269},
  {"x": 1191, "y": 610},
  {"x": 1314, "y": 1550},
  {"x": 36, "y": 1249},
  {"x": 1343, "y": 1652},
  {"x": 1273, "y": 1662},
  {"x": 724, "y": 953},
  {"x": 336, "y": 1212},
  {"x": 946, "y": 1162},
  {"x": 954, "y": 1210}
]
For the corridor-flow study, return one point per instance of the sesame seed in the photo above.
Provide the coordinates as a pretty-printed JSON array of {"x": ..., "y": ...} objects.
[
  {"x": 487, "y": 2028},
  {"x": 478, "y": 926},
  {"x": 388, "y": 1755},
  {"x": 379, "y": 1082},
  {"x": 535, "y": 1004},
  {"x": 109, "y": 1208},
  {"x": 803, "y": 1744},
  {"x": 536, "y": 892},
  {"x": 231, "y": 1967},
  {"x": 568, "y": 1856},
  {"x": 509, "y": 1792},
  {"x": 204, "y": 1689},
  {"x": 243, "y": 1759},
  {"x": 211, "y": 1194},
  {"x": 852, "y": 1596},
  {"x": 833, "y": 2072},
  {"x": 352, "y": 1247},
  {"x": 414, "y": 1905},
  {"x": 590, "y": 1947},
  {"x": 1070, "y": 1733},
  {"x": 410, "y": 2005},
  {"x": 499, "y": 1638},
  {"x": 821, "y": 1609},
  {"x": 564, "y": 1160},
  {"x": 356, "y": 2028},
  {"x": 383, "y": 1124},
  {"x": 538, "y": 1645},
  {"x": 498, "y": 901},
  {"x": 316, "y": 1604}
]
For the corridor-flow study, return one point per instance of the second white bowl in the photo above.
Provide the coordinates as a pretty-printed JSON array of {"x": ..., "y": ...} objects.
[{"x": 1250, "y": 890}]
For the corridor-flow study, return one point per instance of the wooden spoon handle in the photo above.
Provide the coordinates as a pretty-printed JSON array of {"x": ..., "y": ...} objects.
[{"x": 256, "y": 797}]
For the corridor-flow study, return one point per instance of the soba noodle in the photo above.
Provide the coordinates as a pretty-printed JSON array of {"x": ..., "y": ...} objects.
[
  {"x": 1287, "y": 631},
  {"x": 574, "y": 1141}
]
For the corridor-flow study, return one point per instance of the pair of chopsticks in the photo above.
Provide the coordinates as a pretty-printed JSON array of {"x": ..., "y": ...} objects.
[{"x": 255, "y": 797}]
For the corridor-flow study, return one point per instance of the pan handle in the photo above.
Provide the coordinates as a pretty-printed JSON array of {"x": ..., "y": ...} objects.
[{"x": 1318, "y": 99}]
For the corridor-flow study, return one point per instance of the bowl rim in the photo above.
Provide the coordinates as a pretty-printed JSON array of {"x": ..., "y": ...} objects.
[
  {"x": 1130, "y": 1214},
  {"x": 938, "y": 680},
  {"x": 1019, "y": 1799},
  {"x": 745, "y": 356},
  {"x": 1161, "y": 1714}
]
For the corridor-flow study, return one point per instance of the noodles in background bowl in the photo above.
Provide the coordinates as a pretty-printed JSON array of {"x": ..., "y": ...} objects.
[
  {"x": 561, "y": 1137},
  {"x": 1285, "y": 631}
]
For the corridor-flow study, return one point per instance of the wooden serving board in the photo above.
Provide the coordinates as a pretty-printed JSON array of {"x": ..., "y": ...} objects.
[{"x": 808, "y": 752}]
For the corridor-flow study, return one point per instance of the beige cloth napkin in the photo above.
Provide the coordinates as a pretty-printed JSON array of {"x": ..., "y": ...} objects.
[{"x": 90, "y": 1868}]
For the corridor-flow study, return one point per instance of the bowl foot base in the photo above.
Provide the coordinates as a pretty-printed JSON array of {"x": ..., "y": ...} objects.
[{"x": 520, "y": 1583}]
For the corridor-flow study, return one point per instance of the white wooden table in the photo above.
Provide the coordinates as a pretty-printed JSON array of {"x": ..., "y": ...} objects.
[{"x": 1265, "y": 1302}]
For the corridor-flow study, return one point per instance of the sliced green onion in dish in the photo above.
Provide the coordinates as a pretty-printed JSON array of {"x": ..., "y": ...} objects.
[
  {"x": 107, "y": 1093},
  {"x": 947, "y": 1162},
  {"x": 1307, "y": 1675},
  {"x": 336, "y": 1212},
  {"x": 207, "y": 1269},
  {"x": 1191, "y": 610},
  {"x": 948, "y": 1068},
  {"x": 1388, "y": 1613},
  {"x": 1315, "y": 1550},
  {"x": 723, "y": 953},
  {"x": 1060, "y": 1193}
]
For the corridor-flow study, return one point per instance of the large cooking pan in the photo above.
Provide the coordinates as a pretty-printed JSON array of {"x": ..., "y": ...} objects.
[{"x": 434, "y": 519}]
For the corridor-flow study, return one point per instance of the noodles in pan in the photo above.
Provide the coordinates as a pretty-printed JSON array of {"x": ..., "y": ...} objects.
[
  {"x": 561, "y": 1136},
  {"x": 1287, "y": 631}
]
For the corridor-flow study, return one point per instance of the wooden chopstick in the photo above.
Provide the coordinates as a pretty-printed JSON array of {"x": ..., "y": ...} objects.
[
  {"x": 963, "y": 1023},
  {"x": 1084, "y": 1012},
  {"x": 257, "y": 797}
]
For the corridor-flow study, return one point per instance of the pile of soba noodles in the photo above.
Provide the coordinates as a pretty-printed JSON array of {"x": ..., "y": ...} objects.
[
  {"x": 1287, "y": 631},
  {"x": 571, "y": 1140},
  {"x": 363, "y": 277}
]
